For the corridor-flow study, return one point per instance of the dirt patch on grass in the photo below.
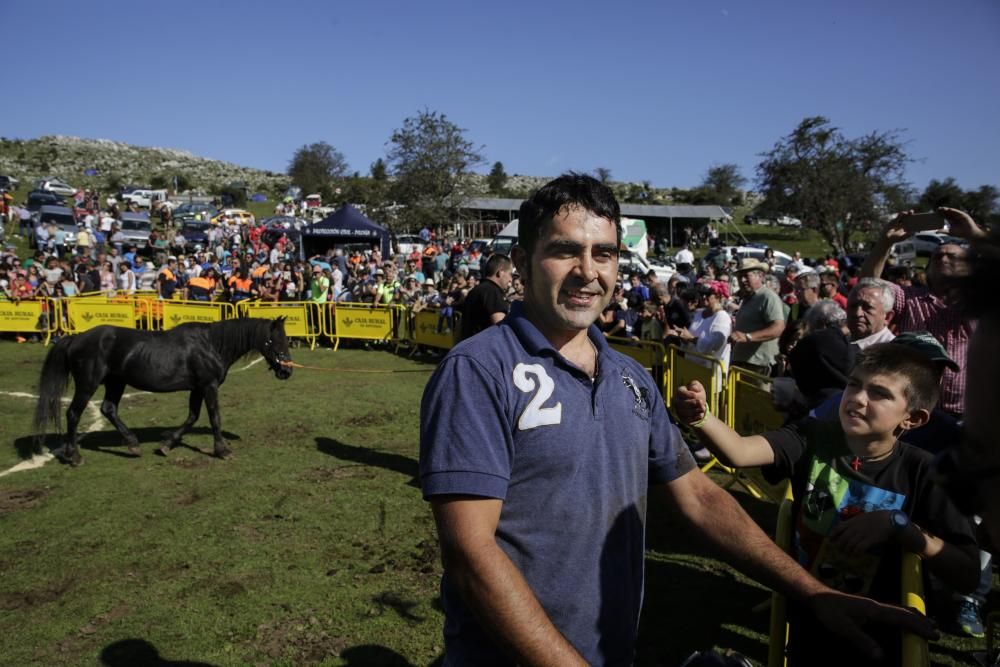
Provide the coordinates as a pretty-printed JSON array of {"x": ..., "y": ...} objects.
[
  {"x": 21, "y": 499},
  {"x": 301, "y": 641},
  {"x": 23, "y": 599},
  {"x": 327, "y": 474},
  {"x": 371, "y": 419},
  {"x": 192, "y": 463}
]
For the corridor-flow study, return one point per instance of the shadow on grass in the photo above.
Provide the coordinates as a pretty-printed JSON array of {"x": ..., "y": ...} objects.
[
  {"x": 110, "y": 441},
  {"x": 372, "y": 655},
  {"x": 370, "y": 457},
  {"x": 136, "y": 652}
]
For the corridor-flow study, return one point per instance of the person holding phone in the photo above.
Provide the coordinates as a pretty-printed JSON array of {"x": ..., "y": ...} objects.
[{"x": 939, "y": 309}]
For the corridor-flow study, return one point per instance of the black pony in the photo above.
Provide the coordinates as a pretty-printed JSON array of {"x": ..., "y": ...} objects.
[{"x": 192, "y": 356}]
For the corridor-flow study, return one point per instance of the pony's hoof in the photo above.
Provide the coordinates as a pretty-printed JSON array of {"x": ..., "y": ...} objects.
[
  {"x": 134, "y": 450},
  {"x": 224, "y": 454},
  {"x": 163, "y": 450}
]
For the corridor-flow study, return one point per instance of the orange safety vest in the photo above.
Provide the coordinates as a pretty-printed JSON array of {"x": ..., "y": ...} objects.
[
  {"x": 239, "y": 285},
  {"x": 203, "y": 283}
]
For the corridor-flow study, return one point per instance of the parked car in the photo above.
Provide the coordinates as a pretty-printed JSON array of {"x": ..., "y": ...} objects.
[
  {"x": 407, "y": 243},
  {"x": 788, "y": 221},
  {"x": 60, "y": 216},
  {"x": 903, "y": 253},
  {"x": 234, "y": 215},
  {"x": 8, "y": 183},
  {"x": 195, "y": 233},
  {"x": 136, "y": 229},
  {"x": 39, "y": 198},
  {"x": 630, "y": 262},
  {"x": 144, "y": 198},
  {"x": 55, "y": 185},
  {"x": 781, "y": 260},
  {"x": 926, "y": 243},
  {"x": 194, "y": 211}
]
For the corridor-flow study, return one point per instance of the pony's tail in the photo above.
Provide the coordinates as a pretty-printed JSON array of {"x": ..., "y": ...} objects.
[{"x": 55, "y": 374}]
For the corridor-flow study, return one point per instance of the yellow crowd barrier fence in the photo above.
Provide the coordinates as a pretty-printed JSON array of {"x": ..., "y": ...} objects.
[
  {"x": 431, "y": 329},
  {"x": 362, "y": 321},
  {"x": 38, "y": 317},
  {"x": 303, "y": 319},
  {"x": 650, "y": 354}
]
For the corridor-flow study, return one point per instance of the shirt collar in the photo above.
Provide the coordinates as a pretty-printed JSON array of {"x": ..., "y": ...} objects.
[{"x": 536, "y": 343}]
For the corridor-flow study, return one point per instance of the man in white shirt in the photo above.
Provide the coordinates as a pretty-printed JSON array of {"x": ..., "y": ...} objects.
[
  {"x": 869, "y": 311},
  {"x": 684, "y": 256}
]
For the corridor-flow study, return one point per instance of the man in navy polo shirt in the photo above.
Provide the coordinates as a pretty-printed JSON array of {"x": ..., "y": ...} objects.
[{"x": 538, "y": 444}]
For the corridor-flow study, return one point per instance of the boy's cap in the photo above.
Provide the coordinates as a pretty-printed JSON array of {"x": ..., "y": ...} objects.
[
  {"x": 751, "y": 264},
  {"x": 928, "y": 345}
]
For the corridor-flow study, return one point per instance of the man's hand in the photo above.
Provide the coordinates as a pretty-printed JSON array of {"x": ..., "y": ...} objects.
[
  {"x": 862, "y": 532},
  {"x": 895, "y": 229},
  {"x": 961, "y": 224},
  {"x": 848, "y": 617},
  {"x": 690, "y": 402}
]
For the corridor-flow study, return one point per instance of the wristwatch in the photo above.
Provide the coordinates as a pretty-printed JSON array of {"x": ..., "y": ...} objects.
[
  {"x": 899, "y": 521},
  {"x": 749, "y": 337}
]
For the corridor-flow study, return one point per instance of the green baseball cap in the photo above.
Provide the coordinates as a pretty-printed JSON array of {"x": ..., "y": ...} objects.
[{"x": 928, "y": 345}]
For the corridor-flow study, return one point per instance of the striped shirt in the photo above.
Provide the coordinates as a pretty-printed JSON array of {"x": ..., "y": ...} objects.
[{"x": 918, "y": 310}]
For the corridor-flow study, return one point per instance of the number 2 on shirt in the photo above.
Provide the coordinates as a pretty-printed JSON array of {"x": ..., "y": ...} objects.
[{"x": 535, "y": 415}]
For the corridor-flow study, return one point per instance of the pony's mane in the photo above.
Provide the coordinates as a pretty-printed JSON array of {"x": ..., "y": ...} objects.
[{"x": 237, "y": 338}]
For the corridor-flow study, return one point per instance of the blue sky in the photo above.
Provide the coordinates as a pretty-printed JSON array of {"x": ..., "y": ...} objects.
[{"x": 656, "y": 91}]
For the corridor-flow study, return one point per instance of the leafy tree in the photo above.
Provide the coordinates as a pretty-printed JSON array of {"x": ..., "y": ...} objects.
[
  {"x": 941, "y": 193},
  {"x": 603, "y": 174},
  {"x": 315, "y": 168},
  {"x": 432, "y": 162},
  {"x": 497, "y": 178},
  {"x": 722, "y": 184},
  {"x": 980, "y": 204},
  {"x": 378, "y": 170},
  {"x": 834, "y": 184}
]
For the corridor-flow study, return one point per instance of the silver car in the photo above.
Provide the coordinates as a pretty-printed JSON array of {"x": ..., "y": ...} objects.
[{"x": 136, "y": 229}]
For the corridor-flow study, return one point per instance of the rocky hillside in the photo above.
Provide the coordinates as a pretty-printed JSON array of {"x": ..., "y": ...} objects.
[{"x": 116, "y": 163}]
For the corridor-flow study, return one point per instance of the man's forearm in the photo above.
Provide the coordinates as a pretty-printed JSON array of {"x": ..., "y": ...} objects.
[
  {"x": 874, "y": 262},
  {"x": 498, "y": 595},
  {"x": 734, "y": 536},
  {"x": 770, "y": 332}
]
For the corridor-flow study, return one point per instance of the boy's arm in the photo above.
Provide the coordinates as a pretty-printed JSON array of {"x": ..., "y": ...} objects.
[
  {"x": 958, "y": 566},
  {"x": 691, "y": 406}
]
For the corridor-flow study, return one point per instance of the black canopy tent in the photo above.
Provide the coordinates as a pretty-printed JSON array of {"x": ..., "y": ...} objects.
[{"x": 346, "y": 225}]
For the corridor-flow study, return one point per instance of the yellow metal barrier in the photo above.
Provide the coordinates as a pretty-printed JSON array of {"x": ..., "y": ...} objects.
[
  {"x": 361, "y": 321},
  {"x": 914, "y": 648},
  {"x": 37, "y": 316},
  {"x": 303, "y": 319},
  {"x": 179, "y": 312},
  {"x": 688, "y": 365},
  {"x": 750, "y": 410},
  {"x": 81, "y": 314},
  {"x": 650, "y": 354},
  {"x": 779, "y": 605},
  {"x": 426, "y": 330}
]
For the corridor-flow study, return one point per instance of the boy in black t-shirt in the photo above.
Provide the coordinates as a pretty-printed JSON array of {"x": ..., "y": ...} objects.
[{"x": 861, "y": 496}]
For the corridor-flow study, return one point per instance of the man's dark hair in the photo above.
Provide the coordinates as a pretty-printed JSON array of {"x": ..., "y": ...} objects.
[
  {"x": 495, "y": 263},
  {"x": 569, "y": 191},
  {"x": 923, "y": 377}
]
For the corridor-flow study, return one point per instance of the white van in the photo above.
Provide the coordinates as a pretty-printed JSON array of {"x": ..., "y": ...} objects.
[{"x": 903, "y": 253}]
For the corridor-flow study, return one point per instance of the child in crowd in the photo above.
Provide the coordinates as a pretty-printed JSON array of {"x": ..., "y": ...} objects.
[{"x": 862, "y": 497}]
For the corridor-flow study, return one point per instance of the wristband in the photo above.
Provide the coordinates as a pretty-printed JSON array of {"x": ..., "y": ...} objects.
[
  {"x": 749, "y": 337},
  {"x": 701, "y": 422}
]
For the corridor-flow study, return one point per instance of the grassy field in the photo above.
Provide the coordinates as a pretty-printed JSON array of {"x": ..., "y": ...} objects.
[{"x": 311, "y": 546}]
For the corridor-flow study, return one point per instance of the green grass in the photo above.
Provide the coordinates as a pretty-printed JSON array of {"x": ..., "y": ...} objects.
[{"x": 311, "y": 546}]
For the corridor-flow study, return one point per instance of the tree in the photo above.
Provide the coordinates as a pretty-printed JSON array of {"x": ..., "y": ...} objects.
[
  {"x": 981, "y": 203},
  {"x": 315, "y": 168},
  {"x": 834, "y": 184},
  {"x": 497, "y": 178},
  {"x": 603, "y": 174},
  {"x": 722, "y": 184},
  {"x": 432, "y": 162},
  {"x": 941, "y": 193}
]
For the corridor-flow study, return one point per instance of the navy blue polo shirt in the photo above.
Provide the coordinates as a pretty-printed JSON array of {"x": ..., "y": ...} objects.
[{"x": 506, "y": 416}]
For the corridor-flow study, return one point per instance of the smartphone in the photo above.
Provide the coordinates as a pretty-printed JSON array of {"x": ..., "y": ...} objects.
[{"x": 924, "y": 222}]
